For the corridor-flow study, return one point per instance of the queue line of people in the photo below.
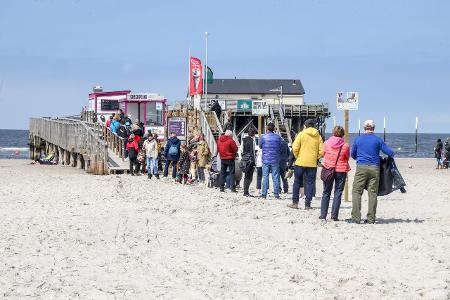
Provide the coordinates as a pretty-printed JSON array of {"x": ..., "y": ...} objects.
[{"x": 271, "y": 156}]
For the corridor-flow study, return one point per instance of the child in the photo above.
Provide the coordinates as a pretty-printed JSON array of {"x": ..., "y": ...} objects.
[{"x": 184, "y": 164}]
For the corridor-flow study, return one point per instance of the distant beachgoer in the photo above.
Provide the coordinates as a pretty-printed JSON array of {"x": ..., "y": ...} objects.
[
  {"x": 366, "y": 151},
  {"x": 184, "y": 164},
  {"x": 172, "y": 154},
  {"x": 203, "y": 158},
  {"x": 446, "y": 153},
  {"x": 133, "y": 150},
  {"x": 121, "y": 114},
  {"x": 307, "y": 149},
  {"x": 151, "y": 151},
  {"x": 271, "y": 149},
  {"x": 248, "y": 160},
  {"x": 227, "y": 149},
  {"x": 102, "y": 121},
  {"x": 336, "y": 154},
  {"x": 438, "y": 153}
]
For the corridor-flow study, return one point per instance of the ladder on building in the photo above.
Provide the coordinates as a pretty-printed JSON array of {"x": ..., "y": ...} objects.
[{"x": 281, "y": 123}]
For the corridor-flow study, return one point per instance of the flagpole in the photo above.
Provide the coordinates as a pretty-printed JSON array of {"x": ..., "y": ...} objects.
[
  {"x": 189, "y": 77},
  {"x": 206, "y": 71}
]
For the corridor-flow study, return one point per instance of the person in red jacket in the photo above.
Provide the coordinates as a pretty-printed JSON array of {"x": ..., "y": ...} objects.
[
  {"x": 133, "y": 151},
  {"x": 227, "y": 149},
  {"x": 336, "y": 154}
]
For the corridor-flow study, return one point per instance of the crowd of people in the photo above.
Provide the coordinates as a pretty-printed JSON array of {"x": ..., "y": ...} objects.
[{"x": 272, "y": 155}]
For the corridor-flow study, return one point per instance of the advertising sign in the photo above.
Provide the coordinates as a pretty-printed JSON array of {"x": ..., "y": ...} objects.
[
  {"x": 156, "y": 129},
  {"x": 260, "y": 108},
  {"x": 347, "y": 101},
  {"x": 159, "y": 106},
  {"x": 196, "y": 77},
  {"x": 244, "y": 105},
  {"x": 177, "y": 125}
]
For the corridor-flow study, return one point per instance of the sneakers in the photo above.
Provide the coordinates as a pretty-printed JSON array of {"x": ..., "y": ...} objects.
[
  {"x": 308, "y": 207},
  {"x": 322, "y": 218},
  {"x": 350, "y": 221},
  {"x": 149, "y": 176}
]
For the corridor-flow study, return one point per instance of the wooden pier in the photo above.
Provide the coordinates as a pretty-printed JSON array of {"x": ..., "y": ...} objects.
[{"x": 77, "y": 143}]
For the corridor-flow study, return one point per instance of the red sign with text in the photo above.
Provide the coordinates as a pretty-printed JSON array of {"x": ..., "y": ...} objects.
[{"x": 196, "y": 76}]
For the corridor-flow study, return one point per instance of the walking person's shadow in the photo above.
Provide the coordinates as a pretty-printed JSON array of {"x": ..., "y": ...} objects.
[{"x": 396, "y": 220}]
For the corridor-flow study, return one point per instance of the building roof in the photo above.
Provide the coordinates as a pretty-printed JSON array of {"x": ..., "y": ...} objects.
[{"x": 256, "y": 86}]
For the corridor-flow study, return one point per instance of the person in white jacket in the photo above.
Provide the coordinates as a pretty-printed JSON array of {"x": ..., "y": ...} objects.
[{"x": 151, "y": 151}]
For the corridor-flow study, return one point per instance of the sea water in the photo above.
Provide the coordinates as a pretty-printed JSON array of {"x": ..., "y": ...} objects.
[{"x": 14, "y": 143}]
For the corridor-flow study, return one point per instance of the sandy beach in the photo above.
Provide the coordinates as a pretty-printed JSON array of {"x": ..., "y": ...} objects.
[{"x": 66, "y": 234}]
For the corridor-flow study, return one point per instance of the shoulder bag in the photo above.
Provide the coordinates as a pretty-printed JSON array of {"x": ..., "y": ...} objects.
[{"x": 328, "y": 174}]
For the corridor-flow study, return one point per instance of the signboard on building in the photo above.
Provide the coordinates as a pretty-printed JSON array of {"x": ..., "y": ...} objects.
[
  {"x": 177, "y": 125},
  {"x": 159, "y": 106},
  {"x": 140, "y": 96},
  {"x": 260, "y": 108},
  {"x": 244, "y": 105},
  {"x": 347, "y": 100}
]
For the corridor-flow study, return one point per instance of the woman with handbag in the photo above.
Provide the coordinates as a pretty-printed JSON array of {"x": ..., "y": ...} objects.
[{"x": 336, "y": 154}]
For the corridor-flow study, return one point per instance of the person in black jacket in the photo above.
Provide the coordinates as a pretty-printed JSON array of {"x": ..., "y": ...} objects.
[
  {"x": 284, "y": 157},
  {"x": 216, "y": 108},
  {"x": 248, "y": 160}
]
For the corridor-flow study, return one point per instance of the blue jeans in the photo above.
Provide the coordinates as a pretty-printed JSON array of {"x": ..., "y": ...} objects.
[
  {"x": 266, "y": 169},
  {"x": 339, "y": 183},
  {"x": 152, "y": 166},
  {"x": 310, "y": 179}
]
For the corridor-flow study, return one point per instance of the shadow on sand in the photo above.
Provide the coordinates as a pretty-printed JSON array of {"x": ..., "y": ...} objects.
[{"x": 394, "y": 220}]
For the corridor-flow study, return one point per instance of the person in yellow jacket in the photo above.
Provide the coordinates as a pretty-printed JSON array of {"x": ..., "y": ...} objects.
[{"x": 307, "y": 149}]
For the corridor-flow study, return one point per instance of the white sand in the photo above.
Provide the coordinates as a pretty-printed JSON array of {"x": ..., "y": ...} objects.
[{"x": 66, "y": 234}]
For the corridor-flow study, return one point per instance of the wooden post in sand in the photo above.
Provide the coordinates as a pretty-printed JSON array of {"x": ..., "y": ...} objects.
[
  {"x": 259, "y": 126},
  {"x": 346, "y": 141},
  {"x": 417, "y": 131}
]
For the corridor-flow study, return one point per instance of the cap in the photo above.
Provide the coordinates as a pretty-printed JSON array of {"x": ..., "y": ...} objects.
[{"x": 369, "y": 123}]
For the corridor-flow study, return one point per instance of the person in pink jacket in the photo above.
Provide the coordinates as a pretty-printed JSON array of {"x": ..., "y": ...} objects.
[{"x": 331, "y": 149}]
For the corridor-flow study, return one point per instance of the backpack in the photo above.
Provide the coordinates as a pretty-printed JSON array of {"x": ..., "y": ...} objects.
[{"x": 173, "y": 150}]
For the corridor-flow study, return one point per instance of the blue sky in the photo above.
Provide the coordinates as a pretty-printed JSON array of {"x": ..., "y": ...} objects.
[{"x": 395, "y": 53}]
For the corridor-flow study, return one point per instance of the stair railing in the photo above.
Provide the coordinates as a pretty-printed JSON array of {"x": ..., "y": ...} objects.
[{"x": 207, "y": 132}]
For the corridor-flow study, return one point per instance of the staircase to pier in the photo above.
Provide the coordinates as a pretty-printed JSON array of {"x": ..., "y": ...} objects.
[{"x": 282, "y": 124}]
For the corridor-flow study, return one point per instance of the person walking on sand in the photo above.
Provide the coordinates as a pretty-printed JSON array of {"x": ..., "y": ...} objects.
[
  {"x": 203, "y": 158},
  {"x": 438, "y": 153},
  {"x": 248, "y": 160},
  {"x": 172, "y": 154},
  {"x": 227, "y": 149},
  {"x": 336, "y": 154},
  {"x": 151, "y": 151},
  {"x": 366, "y": 151},
  {"x": 307, "y": 149},
  {"x": 271, "y": 150}
]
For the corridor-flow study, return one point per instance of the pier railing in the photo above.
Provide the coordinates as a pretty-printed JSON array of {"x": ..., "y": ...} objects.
[{"x": 74, "y": 137}]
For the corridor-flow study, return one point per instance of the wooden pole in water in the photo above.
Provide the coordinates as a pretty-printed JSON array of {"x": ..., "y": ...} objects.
[
  {"x": 359, "y": 127},
  {"x": 346, "y": 117},
  {"x": 384, "y": 129},
  {"x": 417, "y": 131}
]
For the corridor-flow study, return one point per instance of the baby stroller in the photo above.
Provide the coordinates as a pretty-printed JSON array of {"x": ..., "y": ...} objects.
[{"x": 213, "y": 181}]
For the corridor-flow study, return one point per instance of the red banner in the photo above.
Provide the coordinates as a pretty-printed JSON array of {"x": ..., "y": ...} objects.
[{"x": 196, "y": 76}]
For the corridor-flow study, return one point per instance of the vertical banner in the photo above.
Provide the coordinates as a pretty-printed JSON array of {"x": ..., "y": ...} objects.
[{"x": 196, "y": 76}]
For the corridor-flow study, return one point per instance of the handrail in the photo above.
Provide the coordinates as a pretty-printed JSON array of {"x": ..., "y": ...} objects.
[
  {"x": 209, "y": 136},
  {"x": 235, "y": 138},
  {"x": 219, "y": 126}
]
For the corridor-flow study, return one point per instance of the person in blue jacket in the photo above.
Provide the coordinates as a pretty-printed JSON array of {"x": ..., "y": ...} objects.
[
  {"x": 172, "y": 154},
  {"x": 366, "y": 151},
  {"x": 115, "y": 124},
  {"x": 271, "y": 150}
]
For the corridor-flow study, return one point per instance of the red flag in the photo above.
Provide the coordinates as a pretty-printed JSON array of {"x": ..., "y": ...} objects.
[{"x": 196, "y": 76}]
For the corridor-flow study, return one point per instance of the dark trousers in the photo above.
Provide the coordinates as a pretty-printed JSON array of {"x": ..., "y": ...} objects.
[
  {"x": 174, "y": 168},
  {"x": 339, "y": 183},
  {"x": 284, "y": 180},
  {"x": 224, "y": 165},
  {"x": 134, "y": 163},
  {"x": 258, "y": 177},
  {"x": 201, "y": 174},
  {"x": 309, "y": 183},
  {"x": 248, "y": 178}
]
